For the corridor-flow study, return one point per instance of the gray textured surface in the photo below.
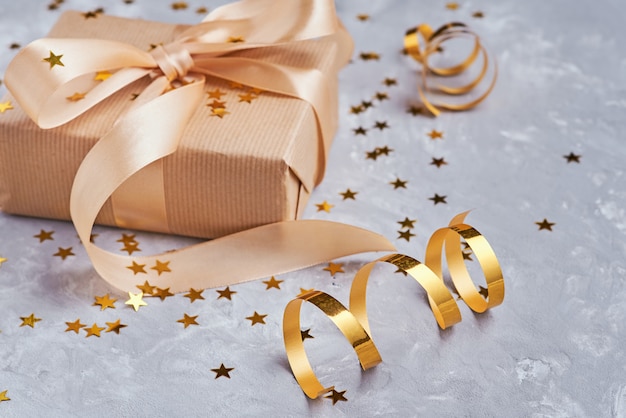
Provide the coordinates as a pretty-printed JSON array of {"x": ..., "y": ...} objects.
[{"x": 556, "y": 347}]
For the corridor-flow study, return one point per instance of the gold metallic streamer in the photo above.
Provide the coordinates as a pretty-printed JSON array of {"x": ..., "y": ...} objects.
[
  {"x": 354, "y": 323},
  {"x": 432, "y": 41}
]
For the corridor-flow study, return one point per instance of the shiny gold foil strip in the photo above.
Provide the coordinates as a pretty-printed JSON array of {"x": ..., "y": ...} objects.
[
  {"x": 430, "y": 43},
  {"x": 354, "y": 323}
]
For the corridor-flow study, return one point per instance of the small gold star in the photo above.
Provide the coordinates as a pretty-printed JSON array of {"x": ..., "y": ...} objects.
[
  {"x": 372, "y": 155},
  {"x": 438, "y": 162},
  {"x": 54, "y": 60},
  {"x": 216, "y": 94},
  {"x": 367, "y": 104},
  {"x": 381, "y": 96},
  {"x": 74, "y": 326},
  {"x": 381, "y": 125},
  {"x": 399, "y": 270},
  {"x": 102, "y": 75},
  {"x": 104, "y": 302},
  {"x": 384, "y": 150},
  {"x": 115, "y": 326},
  {"x": 137, "y": 268},
  {"x": 478, "y": 15},
  {"x": 188, "y": 320},
  {"x": 162, "y": 293},
  {"x": 256, "y": 90},
  {"x": 348, "y": 194},
  {"x": 256, "y": 318},
  {"x": 131, "y": 247},
  {"x": 336, "y": 396},
  {"x": 324, "y": 206},
  {"x": 44, "y": 235},
  {"x": 405, "y": 235},
  {"x": 29, "y": 320},
  {"x": 334, "y": 268},
  {"x": 90, "y": 15},
  {"x": 572, "y": 158},
  {"x": 146, "y": 288},
  {"x": 306, "y": 334},
  {"x": 133, "y": 96},
  {"x": 4, "y": 397},
  {"x": 272, "y": 283},
  {"x": 94, "y": 330},
  {"x": 236, "y": 85},
  {"x": 217, "y": 104},
  {"x": 226, "y": 293},
  {"x": 545, "y": 225},
  {"x": 435, "y": 134},
  {"x": 304, "y": 291},
  {"x": 438, "y": 199},
  {"x": 360, "y": 131},
  {"x": 5, "y": 106},
  {"x": 247, "y": 97},
  {"x": 194, "y": 295},
  {"x": 223, "y": 371},
  {"x": 235, "y": 39},
  {"x": 415, "y": 110},
  {"x": 367, "y": 56},
  {"x": 390, "y": 82},
  {"x": 356, "y": 109},
  {"x": 127, "y": 239},
  {"x": 136, "y": 300},
  {"x": 452, "y": 6},
  {"x": 483, "y": 291},
  {"x": 363, "y": 17},
  {"x": 398, "y": 184},
  {"x": 407, "y": 223},
  {"x": 179, "y": 5},
  {"x": 2, "y": 260},
  {"x": 64, "y": 253},
  {"x": 161, "y": 267},
  {"x": 467, "y": 256},
  {"x": 220, "y": 112},
  {"x": 76, "y": 97}
]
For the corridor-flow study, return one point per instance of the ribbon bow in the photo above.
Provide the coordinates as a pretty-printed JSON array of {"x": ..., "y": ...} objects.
[{"x": 152, "y": 128}]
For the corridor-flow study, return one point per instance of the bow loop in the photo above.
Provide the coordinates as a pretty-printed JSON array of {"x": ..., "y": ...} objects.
[{"x": 173, "y": 59}]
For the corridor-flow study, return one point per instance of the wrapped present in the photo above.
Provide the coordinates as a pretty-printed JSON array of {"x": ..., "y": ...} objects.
[{"x": 248, "y": 156}]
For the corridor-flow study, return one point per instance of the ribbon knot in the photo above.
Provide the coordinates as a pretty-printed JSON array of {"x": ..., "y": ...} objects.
[{"x": 173, "y": 59}]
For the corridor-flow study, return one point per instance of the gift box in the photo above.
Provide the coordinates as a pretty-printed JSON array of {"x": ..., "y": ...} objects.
[{"x": 253, "y": 161}]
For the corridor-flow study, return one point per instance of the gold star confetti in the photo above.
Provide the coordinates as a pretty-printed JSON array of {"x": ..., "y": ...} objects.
[
  {"x": 29, "y": 320},
  {"x": 74, "y": 326},
  {"x": 304, "y": 291},
  {"x": 4, "y": 106},
  {"x": 467, "y": 256},
  {"x": 226, "y": 293},
  {"x": 3, "y": 260},
  {"x": 188, "y": 320},
  {"x": 435, "y": 134},
  {"x": 161, "y": 267},
  {"x": 136, "y": 300},
  {"x": 64, "y": 253},
  {"x": 162, "y": 293},
  {"x": 146, "y": 288},
  {"x": 363, "y": 17},
  {"x": 216, "y": 94},
  {"x": 397, "y": 184},
  {"x": 54, "y": 60},
  {"x": 384, "y": 150},
  {"x": 381, "y": 125},
  {"x": 76, "y": 97},
  {"x": 348, "y": 194},
  {"x": 115, "y": 326},
  {"x": 438, "y": 162},
  {"x": 478, "y": 15},
  {"x": 572, "y": 158},
  {"x": 399, "y": 270},
  {"x": 367, "y": 104},
  {"x": 137, "y": 268},
  {"x": 131, "y": 247},
  {"x": 272, "y": 283},
  {"x": 153, "y": 46},
  {"x": 324, "y": 206},
  {"x": 336, "y": 396},
  {"x": 217, "y": 104},
  {"x": 236, "y": 85},
  {"x": 44, "y": 235},
  {"x": 483, "y": 291},
  {"x": 90, "y": 15},
  {"x": 4, "y": 397},
  {"x": 202, "y": 10},
  {"x": 438, "y": 199},
  {"x": 372, "y": 155},
  {"x": 306, "y": 334},
  {"x": 256, "y": 90},
  {"x": 247, "y": 97},
  {"x": 104, "y": 302},
  {"x": 256, "y": 318},
  {"x": 545, "y": 225},
  {"x": 94, "y": 330},
  {"x": 415, "y": 110},
  {"x": 334, "y": 268},
  {"x": 356, "y": 109},
  {"x": 14, "y": 45},
  {"x": 390, "y": 82},
  {"x": 127, "y": 239},
  {"x": 179, "y": 5},
  {"x": 223, "y": 371},
  {"x": 452, "y": 6},
  {"x": 367, "y": 56},
  {"x": 220, "y": 112},
  {"x": 380, "y": 96},
  {"x": 102, "y": 75},
  {"x": 133, "y": 96},
  {"x": 405, "y": 235},
  {"x": 194, "y": 295},
  {"x": 360, "y": 131},
  {"x": 235, "y": 39},
  {"x": 407, "y": 223}
]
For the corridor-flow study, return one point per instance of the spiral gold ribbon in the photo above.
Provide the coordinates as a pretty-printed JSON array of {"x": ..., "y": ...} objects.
[
  {"x": 153, "y": 127},
  {"x": 432, "y": 43},
  {"x": 354, "y": 323}
]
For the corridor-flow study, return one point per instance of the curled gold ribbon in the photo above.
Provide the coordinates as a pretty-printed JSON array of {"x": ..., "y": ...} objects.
[
  {"x": 354, "y": 323},
  {"x": 432, "y": 41}
]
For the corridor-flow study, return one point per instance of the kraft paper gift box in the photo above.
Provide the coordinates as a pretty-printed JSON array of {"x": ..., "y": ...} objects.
[{"x": 255, "y": 165}]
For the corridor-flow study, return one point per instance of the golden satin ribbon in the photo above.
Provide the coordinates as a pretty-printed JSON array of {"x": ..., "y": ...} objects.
[
  {"x": 154, "y": 125},
  {"x": 354, "y": 323},
  {"x": 432, "y": 41}
]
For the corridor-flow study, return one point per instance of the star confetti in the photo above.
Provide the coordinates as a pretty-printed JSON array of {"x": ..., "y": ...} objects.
[
  {"x": 545, "y": 225},
  {"x": 215, "y": 94},
  {"x": 94, "y": 330},
  {"x": 438, "y": 199},
  {"x": 2, "y": 260},
  {"x": 223, "y": 371},
  {"x": 405, "y": 235},
  {"x": 380, "y": 96},
  {"x": 115, "y": 326},
  {"x": 348, "y": 194},
  {"x": 162, "y": 293},
  {"x": 390, "y": 82},
  {"x": 179, "y": 5},
  {"x": 44, "y": 235},
  {"x": 127, "y": 239},
  {"x": 54, "y": 60},
  {"x": 235, "y": 39},
  {"x": 452, "y": 6},
  {"x": 306, "y": 334},
  {"x": 104, "y": 302},
  {"x": 435, "y": 134},
  {"x": 247, "y": 97},
  {"x": 226, "y": 293},
  {"x": 64, "y": 253},
  {"x": 137, "y": 268},
  {"x": 572, "y": 158},
  {"x": 336, "y": 396},
  {"x": 272, "y": 283},
  {"x": 367, "y": 104},
  {"x": 407, "y": 223},
  {"x": 217, "y": 104},
  {"x": 467, "y": 256},
  {"x": 363, "y": 17},
  {"x": 194, "y": 295},
  {"x": 438, "y": 162},
  {"x": 334, "y": 268},
  {"x": 256, "y": 318},
  {"x": 304, "y": 291},
  {"x": 102, "y": 75},
  {"x": 220, "y": 112},
  {"x": 415, "y": 110},
  {"x": 131, "y": 247},
  {"x": 74, "y": 326},
  {"x": 136, "y": 300},
  {"x": 29, "y": 320},
  {"x": 360, "y": 131},
  {"x": 162, "y": 267},
  {"x": 202, "y": 10},
  {"x": 146, "y": 288},
  {"x": 381, "y": 125},
  {"x": 356, "y": 109},
  {"x": 478, "y": 15},
  {"x": 324, "y": 206},
  {"x": 4, "y": 106},
  {"x": 4, "y": 397},
  {"x": 397, "y": 184},
  {"x": 187, "y": 320},
  {"x": 76, "y": 97},
  {"x": 367, "y": 56}
]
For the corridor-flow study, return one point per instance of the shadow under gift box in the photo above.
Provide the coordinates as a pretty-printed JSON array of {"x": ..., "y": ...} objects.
[{"x": 256, "y": 165}]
